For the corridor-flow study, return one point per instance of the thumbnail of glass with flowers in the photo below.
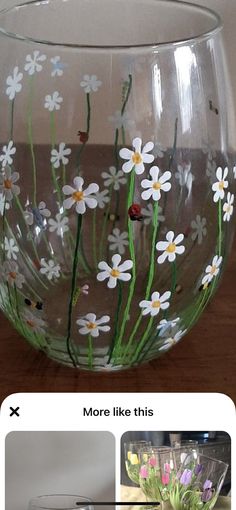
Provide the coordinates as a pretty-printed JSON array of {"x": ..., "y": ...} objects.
[{"x": 117, "y": 175}]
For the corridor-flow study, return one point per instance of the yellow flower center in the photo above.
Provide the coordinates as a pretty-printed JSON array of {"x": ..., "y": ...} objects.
[
  {"x": 78, "y": 196},
  {"x": 156, "y": 185},
  {"x": 7, "y": 184},
  {"x": 171, "y": 248},
  {"x": 12, "y": 275},
  {"x": 221, "y": 185},
  {"x": 228, "y": 208},
  {"x": 137, "y": 158},
  {"x": 115, "y": 273},
  {"x": 91, "y": 325},
  {"x": 213, "y": 269},
  {"x": 156, "y": 304}
]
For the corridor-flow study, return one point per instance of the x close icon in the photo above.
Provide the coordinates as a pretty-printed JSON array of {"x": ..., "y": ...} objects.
[{"x": 14, "y": 412}]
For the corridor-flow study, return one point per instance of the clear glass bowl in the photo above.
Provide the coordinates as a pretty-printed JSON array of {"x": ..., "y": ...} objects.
[{"x": 117, "y": 179}]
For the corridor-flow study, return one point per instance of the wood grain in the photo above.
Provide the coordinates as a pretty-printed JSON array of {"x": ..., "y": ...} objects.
[{"x": 205, "y": 361}]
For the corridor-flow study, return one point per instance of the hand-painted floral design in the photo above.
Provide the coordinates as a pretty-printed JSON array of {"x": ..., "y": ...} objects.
[
  {"x": 228, "y": 207},
  {"x": 4, "y": 205},
  {"x": 34, "y": 63},
  {"x": 199, "y": 229},
  {"x": 57, "y": 66},
  {"x": 164, "y": 325},
  {"x": 79, "y": 197},
  {"x": 234, "y": 171},
  {"x": 186, "y": 477},
  {"x": 148, "y": 214},
  {"x": 170, "y": 247},
  {"x": 221, "y": 184},
  {"x": 102, "y": 198},
  {"x": 185, "y": 176},
  {"x": 90, "y": 83},
  {"x": 35, "y": 323},
  {"x": 154, "y": 186},
  {"x": 14, "y": 85},
  {"x": 159, "y": 150},
  {"x": 120, "y": 120},
  {"x": 37, "y": 215},
  {"x": 8, "y": 186},
  {"x": 137, "y": 157},
  {"x": 90, "y": 325},
  {"x": 212, "y": 270},
  {"x": 59, "y": 225},
  {"x": 60, "y": 157},
  {"x": 118, "y": 241},
  {"x": 53, "y": 102},
  {"x": 50, "y": 269},
  {"x": 11, "y": 248},
  {"x": 10, "y": 274},
  {"x": 7, "y": 152},
  {"x": 172, "y": 340},
  {"x": 156, "y": 304},
  {"x": 115, "y": 272},
  {"x": 114, "y": 178}
]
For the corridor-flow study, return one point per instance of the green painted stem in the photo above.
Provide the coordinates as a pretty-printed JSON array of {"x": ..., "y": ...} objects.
[
  {"x": 64, "y": 175},
  {"x": 143, "y": 341},
  {"x": 119, "y": 303},
  {"x": 132, "y": 254},
  {"x": 11, "y": 129},
  {"x": 150, "y": 277},
  {"x": 127, "y": 95},
  {"x": 220, "y": 226},
  {"x": 53, "y": 144},
  {"x": 82, "y": 147},
  {"x": 199, "y": 308},
  {"x": 73, "y": 285},
  {"x": 30, "y": 138},
  {"x": 94, "y": 239},
  {"x": 104, "y": 223},
  {"x": 90, "y": 351}
]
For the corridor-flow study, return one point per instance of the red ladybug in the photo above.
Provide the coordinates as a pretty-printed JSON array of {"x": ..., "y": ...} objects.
[
  {"x": 135, "y": 212},
  {"x": 83, "y": 136}
]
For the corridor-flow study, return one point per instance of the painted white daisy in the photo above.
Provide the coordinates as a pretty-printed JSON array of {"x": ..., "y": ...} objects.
[
  {"x": 59, "y": 225},
  {"x": 185, "y": 176},
  {"x": 148, "y": 214},
  {"x": 79, "y": 197},
  {"x": 199, "y": 227},
  {"x": 11, "y": 248},
  {"x": 6, "y": 157},
  {"x": 211, "y": 170},
  {"x": 118, "y": 120},
  {"x": 220, "y": 186},
  {"x": 164, "y": 325},
  {"x": 93, "y": 326},
  {"x": 156, "y": 304},
  {"x": 7, "y": 184},
  {"x": 208, "y": 148},
  {"x": 228, "y": 207},
  {"x": 169, "y": 342},
  {"x": 37, "y": 215},
  {"x": 155, "y": 185},
  {"x": 34, "y": 63},
  {"x": 10, "y": 273},
  {"x": 159, "y": 150},
  {"x": 14, "y": 83},
  {"x": 212, "y": 270},
  {"x": 4, "y": 206},
  {"x": 50, "y": 269},
  {"x": 35, "y": 323},
  {"x": 116, "y": 272},
  {"x": 90, "y": 83},
  {"x": 59, "y": 157},
  {"x": 137, "y": 157},
  {"x": 170, "y": 247},
  {"x": 53, "y": 102},
  {"x": 57, "y": 66},
  {"x": 114, "y": 178},
  {"x": 118, "y": 241},
  {"x": 102, "y": 198}
]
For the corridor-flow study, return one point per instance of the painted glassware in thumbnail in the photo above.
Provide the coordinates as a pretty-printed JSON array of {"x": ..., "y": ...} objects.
[{"x": 116, "y": 193}]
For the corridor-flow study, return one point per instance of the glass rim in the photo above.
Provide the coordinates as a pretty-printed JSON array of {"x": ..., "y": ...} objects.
[
  {"x": 119, "y": 47},
  {"x": 217, "y": 461},
  {"x": 36, "y": 500}
]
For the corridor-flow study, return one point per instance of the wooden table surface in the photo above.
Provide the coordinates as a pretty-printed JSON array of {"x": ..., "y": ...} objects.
[{"x": 205, "y": 361}]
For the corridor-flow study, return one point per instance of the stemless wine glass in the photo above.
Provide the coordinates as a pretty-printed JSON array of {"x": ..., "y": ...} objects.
[
  {"x": 187, "y": 452},
  {"x": 155, "y": 473},
  {"x": 132, "y": 458},
  {"x": 60, "y": 502},
  {"x": 117, "y": 155}
]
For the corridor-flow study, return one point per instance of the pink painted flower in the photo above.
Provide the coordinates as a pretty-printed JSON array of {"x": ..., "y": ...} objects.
[
  {"x": 143, "y": 473},
  {"x": 152, "y": 461},
  {"x": 167, "y": 468},
  {"x": 165, "y": 479}
]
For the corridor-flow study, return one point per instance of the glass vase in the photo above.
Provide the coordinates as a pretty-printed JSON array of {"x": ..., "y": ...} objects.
[
  {"x": 117, "y": 175},
  {"x": 60, "y": 502}
]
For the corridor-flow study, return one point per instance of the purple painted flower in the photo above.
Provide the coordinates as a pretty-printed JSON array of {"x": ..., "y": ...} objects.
[
  {"x": 198, "y": 469},
  {"x": 143, "y": 473},
  {"x": 207, "y": 495},
  {"x": 207, "y": 485},
  {"x": 186, "y": 477}
]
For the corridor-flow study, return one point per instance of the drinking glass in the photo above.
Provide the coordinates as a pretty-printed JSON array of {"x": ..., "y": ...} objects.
[
  {"x": 155, "y": 473},
  {"x": 117, "y": 176},
  {"x": 60, "y": 502},
  {"x": 132, "y": 458},
  {"x": 187, "y": 452}
]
